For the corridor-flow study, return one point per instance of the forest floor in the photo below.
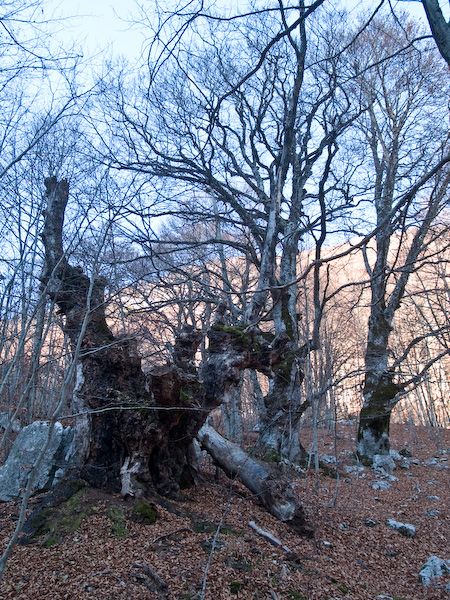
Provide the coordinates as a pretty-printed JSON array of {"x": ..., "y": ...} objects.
[{"x": 105, "y": 551}]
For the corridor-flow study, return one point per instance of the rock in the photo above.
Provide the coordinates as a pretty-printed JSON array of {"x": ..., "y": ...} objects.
[
  {"x": 6, "y": 421},
  {"x": 395, "y": 455},
  {"x": 381, "y": 485},
  {"x": 400, "y": 460},
  {"x": 371, "y": 522},
  {"x": 24, "y": 455},
  {"x": 384, "y": 597},
  {"x": 344, "y": 526},
  {"x": 433, "y": 513},
  {"x": 434, "y": 568},
  {"x": 405, "y": 452},
  {"x": 357, "y": 469},
  {"x": 328, "y": 459},
  {"x": 327, "y": 544},
  {"x": 383, "y": 464},
  {"x": 433, "y": 498},
  {"x": 405, "y": 529}
]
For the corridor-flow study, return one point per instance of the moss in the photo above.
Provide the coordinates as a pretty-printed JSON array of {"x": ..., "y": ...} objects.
[
  {"x": 55, "y": 524},
  {"x": 343, "y": 588},
  {"x": 238, "y": 333},
  {"x": 271, "y": 456},
  {"x": 144, "y": 512},
  {"x": 235, "y": 587},
  {"x": 211, "y": 527},
  {"x": 40, "y": 522},
  {"x": 118, "y": 523},
  {"x": 188, "y": 394},
  {"x": 50, "y": 542},
  {"x": 225, "y": 530},
  {"x": 204, "y": 527},
  {"x": 185, "y": 395}
]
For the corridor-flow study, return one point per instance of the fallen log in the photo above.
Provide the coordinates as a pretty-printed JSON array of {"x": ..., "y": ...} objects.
[{"x": 273, "y": 489}]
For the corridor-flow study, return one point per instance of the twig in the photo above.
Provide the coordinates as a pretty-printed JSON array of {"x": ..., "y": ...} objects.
[
  {"x": 213, "y": 546},
  {"x": 167, "y": 535},
  {"x": 267, "y": 535},
  {"x": 150, "y": 578}
]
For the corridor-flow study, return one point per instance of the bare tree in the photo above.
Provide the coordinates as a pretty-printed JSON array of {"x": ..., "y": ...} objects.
[
  {"x": 403, "y": 137},
  {"x": 249, "y": 140}
]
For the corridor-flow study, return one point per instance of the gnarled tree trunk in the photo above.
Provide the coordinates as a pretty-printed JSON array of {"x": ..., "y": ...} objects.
[{"x": 137, "y": 430}]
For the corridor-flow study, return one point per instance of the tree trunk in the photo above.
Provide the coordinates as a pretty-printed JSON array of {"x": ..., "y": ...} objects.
[
  {"x": 379, "y": 392},
  {"x": 280, "y": 424},
  {"x": 440, "y": 28},
  {"x": 232, "y": 413},
  {"x": 135, "y": 431},
  {"x": 279, "y": 434}
]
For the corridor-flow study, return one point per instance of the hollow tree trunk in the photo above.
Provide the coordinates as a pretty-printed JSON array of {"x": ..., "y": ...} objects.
[{"x": 135, "y": 431}]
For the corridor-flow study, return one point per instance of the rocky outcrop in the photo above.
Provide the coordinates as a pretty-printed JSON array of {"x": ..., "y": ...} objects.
[{"x": 25, "y": 457}]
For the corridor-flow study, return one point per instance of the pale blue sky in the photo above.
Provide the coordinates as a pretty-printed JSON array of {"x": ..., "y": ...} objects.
[{"x": 96, "y": 25}]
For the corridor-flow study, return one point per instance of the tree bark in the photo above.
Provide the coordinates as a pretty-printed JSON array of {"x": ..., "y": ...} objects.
[
  {"x": 233, "y": 427},
  {"x": 379, "y": 391},
  {"x": 440, "y": 28},
  {"x": 279, "y": 433}
]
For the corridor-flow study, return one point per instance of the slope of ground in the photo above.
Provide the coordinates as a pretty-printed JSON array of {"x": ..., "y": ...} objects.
[{"x": 204, "y": 542}]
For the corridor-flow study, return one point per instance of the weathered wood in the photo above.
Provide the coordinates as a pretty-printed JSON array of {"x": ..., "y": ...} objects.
[
  {"x": 270, "y": 537},
  {"x": 275, "y": 491}
]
